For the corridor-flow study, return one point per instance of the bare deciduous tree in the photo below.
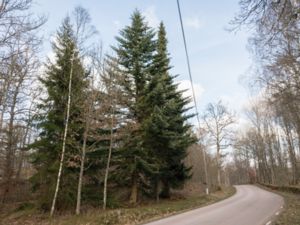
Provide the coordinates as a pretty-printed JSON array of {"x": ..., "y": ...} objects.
[
  {"x": 20, "y": 70},
  {"x": 218, "y": 120}
]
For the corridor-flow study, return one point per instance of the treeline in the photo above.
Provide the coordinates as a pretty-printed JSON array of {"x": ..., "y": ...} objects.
[
  {"x": 269, "y": 150},
  {"x": 85, "y": 127},
  {"x": 19, "y": 64}
]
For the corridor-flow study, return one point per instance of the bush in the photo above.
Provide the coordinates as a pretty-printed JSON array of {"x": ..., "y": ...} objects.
[{"x": 25, "y": 206}]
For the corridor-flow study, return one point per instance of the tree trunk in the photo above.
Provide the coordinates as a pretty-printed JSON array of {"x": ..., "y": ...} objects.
[
  {"x": 166, "y": 189},
  {"x": 271, "y": 155},
  {"x": 218, "y": 165},
  {"x": 64, "y": 139},
  {"x": 207, "y": 186},
  {"x": 108, "y": 160},
  {"x": 134, "y": 190},
  {"x": 291, "y": 151},
  {"x": 157, "y": 189},
  {"x": 78, "y": 204},
  {"x": 25, "y": 142},
  {"x": 11, "y": 146},
  {"x": 293, "y": 159},
  {"x": 257, "y": 173}
]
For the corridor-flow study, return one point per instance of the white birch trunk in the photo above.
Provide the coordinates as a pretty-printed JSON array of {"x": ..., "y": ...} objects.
[
  {"x": 64, "y": 138},
  {"x": 78, "y": 204},
  {"x": 109, "y": 157}
]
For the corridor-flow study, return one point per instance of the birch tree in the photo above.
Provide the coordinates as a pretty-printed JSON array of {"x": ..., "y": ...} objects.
[
  {"x": 60, "y": 123},
  {"x": 218, "y": 120}
]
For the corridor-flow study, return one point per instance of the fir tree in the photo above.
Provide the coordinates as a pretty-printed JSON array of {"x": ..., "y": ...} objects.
[
  {"x": 167, "y": 133},
  {"x": 135, "y": 56},
  {"x": 51, "y": 122}
]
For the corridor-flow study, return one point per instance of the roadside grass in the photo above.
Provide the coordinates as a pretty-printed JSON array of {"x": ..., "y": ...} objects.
[
  {"x": 122, "y": 216},
  {"x": 291, "y": 211}
]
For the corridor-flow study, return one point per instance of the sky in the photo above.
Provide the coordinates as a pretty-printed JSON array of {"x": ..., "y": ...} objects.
[{"x": 219, "y": 58}]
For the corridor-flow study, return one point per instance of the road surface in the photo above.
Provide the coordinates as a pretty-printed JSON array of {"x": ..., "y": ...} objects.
[{"x": 249, "y": 206}]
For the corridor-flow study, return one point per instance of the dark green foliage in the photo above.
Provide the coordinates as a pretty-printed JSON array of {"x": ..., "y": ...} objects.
[
  {"x": 150, "y": 129},
  {"x": 155, "y": 146},
  {"x": 51, "y": 122},
  {"x": 167, "y": 133},
  {"x": 135, "y": 57}
]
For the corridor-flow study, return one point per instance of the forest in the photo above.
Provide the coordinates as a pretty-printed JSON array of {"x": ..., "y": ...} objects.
[
  {"x": 88, "y": 129},
  {"x": 93, "y": 116}
]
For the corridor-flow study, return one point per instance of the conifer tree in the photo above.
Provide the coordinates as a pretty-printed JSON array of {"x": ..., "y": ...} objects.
[
  {"x": 167, "y": 133},
  {"x": 135, "y": 57},
  {"x": 52, "y": 122}
]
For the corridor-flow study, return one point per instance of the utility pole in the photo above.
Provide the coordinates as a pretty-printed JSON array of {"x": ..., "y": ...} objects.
[{"x": 194, "y": 97}]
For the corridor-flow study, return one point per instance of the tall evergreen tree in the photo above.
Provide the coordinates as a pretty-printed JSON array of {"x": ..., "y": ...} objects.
[
  {"x": 135, "y": 56},
  {"x": 167, "y": 133},
  {"x": 51, "y": 122}
]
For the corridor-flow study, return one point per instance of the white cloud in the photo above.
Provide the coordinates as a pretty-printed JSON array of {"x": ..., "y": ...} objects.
[
  {"x": 234, "y": 102},
  {"x": 194, "y": 22},
  {"x": 151, "y": 17},
  {"x": 231, "y": 101},
  {"x": 243, "y": 123},
  {"x": 186, "y": 85}
]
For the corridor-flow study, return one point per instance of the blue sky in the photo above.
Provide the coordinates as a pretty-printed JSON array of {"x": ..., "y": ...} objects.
[{"x": 218, "y": 58}]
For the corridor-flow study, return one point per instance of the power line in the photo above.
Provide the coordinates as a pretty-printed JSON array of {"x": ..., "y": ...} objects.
[{"x": 193, "y": 90}]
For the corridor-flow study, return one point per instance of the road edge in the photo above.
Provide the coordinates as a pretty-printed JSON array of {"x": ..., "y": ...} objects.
[
  {"x": 275, "y": 216},
  {"x": 190, "y": 209}
]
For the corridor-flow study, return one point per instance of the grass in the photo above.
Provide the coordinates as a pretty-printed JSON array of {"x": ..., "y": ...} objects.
[
  {"x": 121, "y": 216},
  {"x": 291, "y": 212}
]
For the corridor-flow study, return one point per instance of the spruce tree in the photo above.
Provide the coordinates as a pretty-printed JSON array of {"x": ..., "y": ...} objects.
[
  {"x": 166, "y": 131},
  {"x": 135, "y": 52},
  {"x": 51, "y": 121}
]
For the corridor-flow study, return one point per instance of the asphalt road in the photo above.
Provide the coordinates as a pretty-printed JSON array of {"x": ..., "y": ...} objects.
[{"x": 249, "y": 206}]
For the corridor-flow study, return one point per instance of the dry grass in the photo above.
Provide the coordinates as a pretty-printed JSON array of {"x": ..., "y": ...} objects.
[
  {"x": 291, "y": 212},
  {"x": 122, "y": 216}
]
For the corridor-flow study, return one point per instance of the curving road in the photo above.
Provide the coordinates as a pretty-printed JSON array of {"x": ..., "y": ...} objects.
[{"x": 249, "y": 206}]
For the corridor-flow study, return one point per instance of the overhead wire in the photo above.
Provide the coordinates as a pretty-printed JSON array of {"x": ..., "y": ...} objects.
[{"x": 193, "y": 91}]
